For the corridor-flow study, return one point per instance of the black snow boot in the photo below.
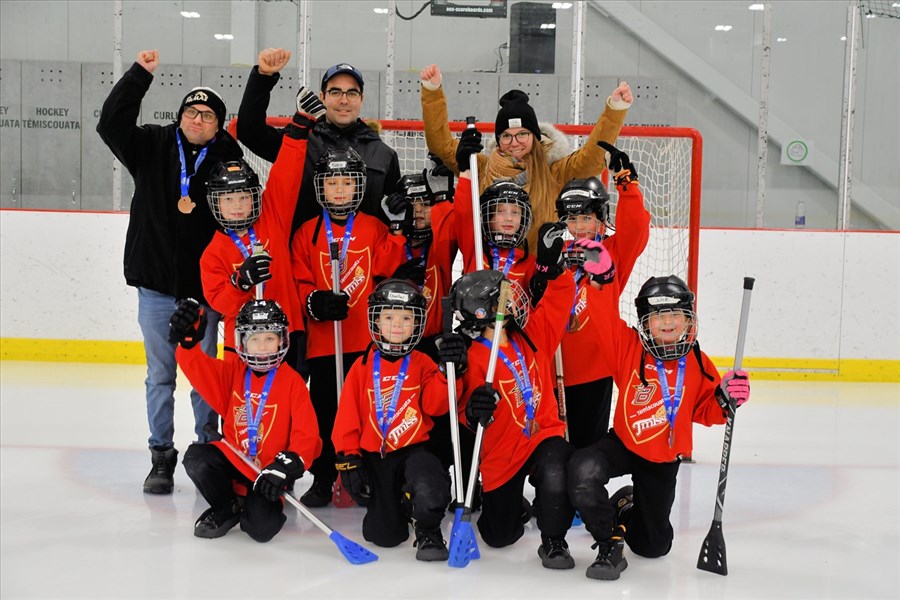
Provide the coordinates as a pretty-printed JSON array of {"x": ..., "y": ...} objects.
[
  {"x": 555, "y": 554},
  {"x": 610, "y": 560},
  {"x": 160, "y": 480},
  {"x": 431, "y": 545}
]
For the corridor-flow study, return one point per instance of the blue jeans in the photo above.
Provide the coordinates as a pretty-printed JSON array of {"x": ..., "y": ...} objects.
[{"x": 154, "y": 311}]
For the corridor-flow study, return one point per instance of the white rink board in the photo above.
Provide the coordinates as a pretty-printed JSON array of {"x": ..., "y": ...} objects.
[{"x": 818, "y": 294}]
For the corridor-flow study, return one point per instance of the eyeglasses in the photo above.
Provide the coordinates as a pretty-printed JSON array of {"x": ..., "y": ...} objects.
[
  {"x": 206, "y": 116},
  {"x": 521, "y": 137},
  {"x": 335, "y": 94}
]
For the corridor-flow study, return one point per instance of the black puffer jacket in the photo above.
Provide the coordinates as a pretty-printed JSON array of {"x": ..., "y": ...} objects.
[
  {"x": 382, "y": 165},
  {"x": 162, "y": 246}
]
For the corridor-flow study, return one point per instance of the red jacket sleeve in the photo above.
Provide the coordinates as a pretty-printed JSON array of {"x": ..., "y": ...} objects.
[
  {"x": 632, "y": 232},
  {"x": 347, "y": 431},
  {"x": 283, "y": 185}
]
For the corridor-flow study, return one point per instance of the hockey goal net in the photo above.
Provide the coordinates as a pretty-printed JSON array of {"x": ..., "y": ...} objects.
[{"x": 668, "y": 161}]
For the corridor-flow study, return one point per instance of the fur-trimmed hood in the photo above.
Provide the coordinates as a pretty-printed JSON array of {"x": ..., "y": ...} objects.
[{"x": 556, "y": 143}]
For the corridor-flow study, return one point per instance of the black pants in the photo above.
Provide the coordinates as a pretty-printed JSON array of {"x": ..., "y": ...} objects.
[
  {"x": 412, "y": 470},
  {"x": 323, "y": 393},
  {"x": 500, "y": 523},
  {"x": 648, "y": 530},
  {"x": 213, "y": 474},
  {"x": 587, "y": 411}
]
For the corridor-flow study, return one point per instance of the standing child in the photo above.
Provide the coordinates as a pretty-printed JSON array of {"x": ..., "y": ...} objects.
[
  {"x": 366, "y": 251},
  {"x": 652, "y": 425},
  {"x": 383, "y": 422},
  {"x": 266, "y": 412}
]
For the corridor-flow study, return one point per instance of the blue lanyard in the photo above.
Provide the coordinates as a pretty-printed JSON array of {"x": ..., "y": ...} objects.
[
  {"x": 495, "y": 262},
  {"x": 348, "y": 230},
  {"x": 253, "y": 420},
  {"x": 386, "y": 417},
  {"x": 523, "y": 382},
  {"x": 671, "y": 404},
  {"x": 425, "y": 247},
  {"x": 579, "y": 274},
  {"x": 185, "y": 178},
  {"x": 245, "y": 250}
]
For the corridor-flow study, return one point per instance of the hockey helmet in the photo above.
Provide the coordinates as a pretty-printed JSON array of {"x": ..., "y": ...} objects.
[
  {"x": 340, "y": 162},
  {"x": 396, "y": 294},
  {"x": 505, "y": 199},
  {"x": 666, "y": 298},
  {"x": 258, "y": 316},
  {"x": 474, "y": 298},
  {"x": 231, "y": 177}
]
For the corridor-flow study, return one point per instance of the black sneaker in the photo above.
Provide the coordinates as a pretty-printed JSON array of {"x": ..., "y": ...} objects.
[
  {"x": 622, "y": 502},
  {"x": 160, "y": 480},
  {"x": 213, "y": 525},
  {"x": 555, "y": 554},
  {"x": 431, "y": 545},
  {"x": 318, "y": 494},
  {"x": 610, "y": 560}
]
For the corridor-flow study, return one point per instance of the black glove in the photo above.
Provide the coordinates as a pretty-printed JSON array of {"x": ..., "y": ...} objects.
[
  {"x": 413, "y": 269},
  {"x": 481, "y": 405},
  {"x": 254, "y": 270},
  {"x": 308, "y": 102},
  {"x": 399, "y": 212},
  {"x": 296, "y": 354},
  {"x": 453, "y": 348},
  {"x": 620, "y": 166},
  {"x": 300, "y": 127},
  {"x": 469, "y": 144},
  {"x": 279, "y": 475},
  {"x": 549, "y": 260},
  {"x": 325, "y": 305},
  {"x": 187, "y": 325},
  {"x": 354, "y": 476}
]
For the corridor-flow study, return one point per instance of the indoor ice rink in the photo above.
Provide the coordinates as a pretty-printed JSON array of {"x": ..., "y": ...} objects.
[{"x": 803, "y": 195}]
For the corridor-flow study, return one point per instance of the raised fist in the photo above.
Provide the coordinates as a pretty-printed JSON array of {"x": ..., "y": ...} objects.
[
  {"x": 149, "y": 59},
  {"x": 187, "y": 325},
  {"x": 469, "y": 144},
  {"x": 622, "y": 94},
  {"x": 431, "y": 74},
  {"x": 620, "y": 166},
  {"x": 272, "y": 60}
]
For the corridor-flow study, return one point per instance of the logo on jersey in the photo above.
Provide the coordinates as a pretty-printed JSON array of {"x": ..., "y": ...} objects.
[{"x": 643, "y": 394}]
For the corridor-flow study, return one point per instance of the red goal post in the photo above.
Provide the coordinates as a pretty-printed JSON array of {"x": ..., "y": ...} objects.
[{"x": 668, "y": 161}]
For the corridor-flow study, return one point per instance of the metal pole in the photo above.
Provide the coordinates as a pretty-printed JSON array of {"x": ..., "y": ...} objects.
[
  {"x": 762, "y": 142},
  {"x": 117, "y": 75},
  {"x": 576, "y": 106},
  {"x": 389, "y": 65},
  {"x": 303, "y": 42},
  {"x": 846, "y": 165}
]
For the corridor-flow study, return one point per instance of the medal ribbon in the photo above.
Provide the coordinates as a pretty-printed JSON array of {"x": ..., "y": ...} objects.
[
  {"x": 523, "y": 382},
  {"x": 348, "y": 229},
  {"x": 253, "y": 420},
  {"x": 386, "y": 417},
  {"x": 670, "y": 403},
  {"x": 185, "y": 178},
  {"x": 495, "y": 262}
]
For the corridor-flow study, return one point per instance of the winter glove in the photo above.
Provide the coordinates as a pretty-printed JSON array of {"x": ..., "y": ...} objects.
[
  {"x": 597, "y": 261},
  {"x": 325, "y": 305},
  {"x": 734, "y": 389},
  {"x": 399, "y": 212},
  {"x": 549, "y": 260},
  {"x": 279, "y": 475},
  {"x": 254, "y": 270},
  {"x": 469, "y": 144},
  {"x": 188, "y": 323},
  {"x": 309, "y": 103},
  {"x": 453, "y": 348},
  {"x": 481, "y": 405},
  {"x": 620, "y": 166},
  {"x": 300, "y": 127},
  {"x": 413, "y": 270},
  {"x": 354, "y": 476},
  {"x": 440, "y": 179}
]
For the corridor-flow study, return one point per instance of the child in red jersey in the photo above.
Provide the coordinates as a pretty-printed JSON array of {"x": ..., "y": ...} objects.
[
  {"x": 366, "y": 250},
  {"x": 523, "y": 436},
  {"x": 266, "y": 411},
  {"x": 584, "y": 206},
  {"x": 665, "y": 385},
  {"x": 229, "y": 268},
  {"x": 383, "y": 421}
]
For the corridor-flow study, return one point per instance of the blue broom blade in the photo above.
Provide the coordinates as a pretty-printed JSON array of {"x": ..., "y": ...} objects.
[
  {"x": 463, "y": 546},
  {"x": 454, "y": 533},
  {"x": 352, "y": 551}
]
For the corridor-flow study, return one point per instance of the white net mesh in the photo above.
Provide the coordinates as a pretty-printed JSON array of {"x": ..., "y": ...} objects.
[{"x": 664, "y": 159}]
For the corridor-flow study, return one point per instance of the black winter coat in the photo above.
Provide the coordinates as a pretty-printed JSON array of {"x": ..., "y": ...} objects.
[{"x": 162, "y": 246}]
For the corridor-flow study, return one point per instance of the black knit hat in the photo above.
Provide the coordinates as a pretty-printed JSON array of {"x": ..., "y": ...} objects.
[
  {"x": 207, "y": 96},
  {"x": 516, "y": 112}
]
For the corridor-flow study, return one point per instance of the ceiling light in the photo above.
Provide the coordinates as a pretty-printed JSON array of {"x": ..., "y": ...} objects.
[
  {"x": 223, "y": 36},
  {"x": 723, "y": 27},
  {"x": 843, "y": 38},
  {"x": 190, "y": 14},
  {"x": 896, "y": 5},
  {"x": 871, "y": 16},
  {"x": 561, "y": 5},
  {"x": 757, "y": 7},
  {"x": 780, "y": 39},
  {"x": 380, "y": 11},
  {"x": 548, "y": 25}
]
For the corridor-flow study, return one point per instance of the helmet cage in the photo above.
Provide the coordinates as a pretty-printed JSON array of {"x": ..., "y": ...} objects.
[
  {"x": 229, "y": 177},
  {"x": 340, "y": 163},
  {"x": 215, "y": 196},
  {"x": 660, "y": 295},
  {"x": 492, "y": 199},
  {"x": 259, "y": 316},
  {"x": 669, "y": 351},
  {"x": 401, "y": 295},
  {"x": 474, "y": 302}
]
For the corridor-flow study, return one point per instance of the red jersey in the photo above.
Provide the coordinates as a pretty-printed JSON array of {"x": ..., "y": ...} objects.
[
  {"x": 423, "y": 395},
  {"x": 372, "y": 252},
  {"x": 288, "y": 421},
  {"x": 640, "y": 416},
  {"x": 505, "y": 447},
  {"x": 440, "y": 253},
  {"x": 522, "y": 267},
  {"x": 222, "y": 256},
  {"x": 583, "y": 337}
]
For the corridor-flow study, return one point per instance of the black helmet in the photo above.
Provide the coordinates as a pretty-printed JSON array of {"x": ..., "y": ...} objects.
[
  {"x": 416, "y": 189},
  {"x": 584, "y": 196},
  {"x": 659, "y": 296},
  {"x": 396, "y": 294},
  {"x": 340, "y": 162},
  {"x": 231, "y": 177},
  {"x": 474, "y": 298},
  {"x": 497, "y": 194},
  {"x": 259, "y": 316}
]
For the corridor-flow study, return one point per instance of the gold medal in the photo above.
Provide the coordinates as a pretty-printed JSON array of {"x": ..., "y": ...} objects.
[
  {"x": 257, "y": 462},
  {"x": 186, "y": 205},
  {"x": 532, "y": 426}
]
